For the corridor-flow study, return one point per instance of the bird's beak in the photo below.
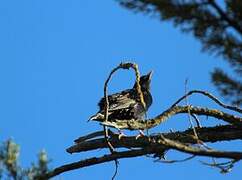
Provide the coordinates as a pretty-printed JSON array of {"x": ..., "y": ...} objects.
[{"x": 150, "y": 74}]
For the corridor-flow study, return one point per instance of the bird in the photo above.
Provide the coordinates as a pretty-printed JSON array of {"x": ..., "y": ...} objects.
[{"x": 126, "y": 105}]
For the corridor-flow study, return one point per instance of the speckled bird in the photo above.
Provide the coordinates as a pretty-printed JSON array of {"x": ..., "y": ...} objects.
[{"x": 126, "y": 105}]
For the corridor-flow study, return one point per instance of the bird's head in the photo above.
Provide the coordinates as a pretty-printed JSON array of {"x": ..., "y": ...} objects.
[{"x": 145, "y": 81}]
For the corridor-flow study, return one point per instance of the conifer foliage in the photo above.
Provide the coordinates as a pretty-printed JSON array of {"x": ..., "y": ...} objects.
[{"x": 216, "y": 24}]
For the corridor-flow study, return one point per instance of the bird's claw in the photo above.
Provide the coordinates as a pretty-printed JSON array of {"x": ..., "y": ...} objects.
[
  {"x": 121, "y": 135},
  {"x": 141, "y": 134}
]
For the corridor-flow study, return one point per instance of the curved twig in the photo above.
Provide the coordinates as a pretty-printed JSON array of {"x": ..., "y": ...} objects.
[
  {"x": 120, "y": 66},
  {"x": 216, "y": 100},
  {"x": 176, "y": 161}
]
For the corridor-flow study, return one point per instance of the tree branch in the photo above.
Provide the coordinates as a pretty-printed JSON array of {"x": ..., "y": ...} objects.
[
  {"x": 225, "y": 17},
  {"x": 156, "y": 144},
  {"x": 201, "y": 152},
  {"x": 212, "y": 97},
  {"x": 97, "y": 160},
  {"x": 150, "y": 123},
  {"x": 206, "y": 134}
]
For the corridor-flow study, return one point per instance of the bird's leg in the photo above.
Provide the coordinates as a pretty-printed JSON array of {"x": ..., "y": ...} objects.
[
  {"x": 141, "y": 134},
  {"x": 120, "y": 134}
]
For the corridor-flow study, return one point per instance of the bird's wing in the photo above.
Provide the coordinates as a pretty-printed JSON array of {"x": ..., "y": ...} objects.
[{"x": 117, "y": 101}]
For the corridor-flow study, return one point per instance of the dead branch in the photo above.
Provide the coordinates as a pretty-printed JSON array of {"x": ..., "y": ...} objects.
[
  {"x": 206, "y": 134},
  {"x": 200, "y": 152},
  {"x": 150, "y": 123},
  {"x": 154, "y": 145},
  {"x": 89, "y": 136},
  {"x": 97, "y": 160},
  {"x": 212, "y": 97},
  {"x": 141, "y": 97},
  {"x": 157, "y": 144}
]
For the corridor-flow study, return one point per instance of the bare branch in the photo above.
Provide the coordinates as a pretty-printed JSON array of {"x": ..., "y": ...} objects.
[
  {"x": 140, "y": 93},
  {"x": 150, "y": 123},
  {"x": 155, "y": 145},
  {"x": 89, "y": 136},
  {"x": 206, "y": 134},
  {"x": 216, "y": 100},
  {"x": 176, "y": 161},
  {"x": 224, "y": 167},
  {"x": 201, "y": 152},
  {"x": 197, "y": 120},
  {"x": 189, "y": 112},
  {"x": 97, "y": 160}
]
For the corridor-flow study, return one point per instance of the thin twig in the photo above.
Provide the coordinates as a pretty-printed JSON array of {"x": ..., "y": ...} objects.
[
  {"x": 224, "y": 167},
  {"x": 107, "y": 108},
  {"x": 196, "y": 120},
  {"x": 116, "y": 169},
  {"x": 216, "y": 100},
  {"x": 175, "y": 161},
  {"x": 189, "y": 112},
  {"x": 111, "y": 148},
  {"x": 123, "y": 66},
  {"x": 140, "y": 93},
  {"x": 198, "y": 151},
  {"x": 190, "y": 120}
]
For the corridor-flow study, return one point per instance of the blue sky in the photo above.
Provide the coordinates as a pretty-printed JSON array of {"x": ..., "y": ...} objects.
[{"x": 54, "y": 59}]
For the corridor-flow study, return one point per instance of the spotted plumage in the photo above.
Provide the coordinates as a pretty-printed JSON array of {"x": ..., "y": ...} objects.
[{"x": 126, "y": 105}]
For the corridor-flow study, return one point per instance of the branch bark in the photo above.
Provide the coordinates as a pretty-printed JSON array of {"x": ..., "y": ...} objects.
[
  {"x": 96, "y": 160},
  {"x": 205, "y": 134},
  {"x": 147, "y": 124},
  {"x": 201, "y": 152},
  {"x": 155, "y": 145}
]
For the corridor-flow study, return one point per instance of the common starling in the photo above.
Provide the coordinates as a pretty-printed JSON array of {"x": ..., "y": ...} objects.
[{"x": 126, "y": 105}]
